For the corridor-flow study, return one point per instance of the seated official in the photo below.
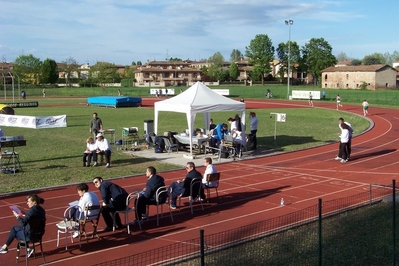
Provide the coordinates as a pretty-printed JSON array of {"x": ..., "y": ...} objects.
[
  {"x": 183, "y": 187},
  {"x": 148, "y": 195},
  {"x": 210, "y": 169},
  {"x": 103, "y": 148},
  {"x": 90, "y": 152}
]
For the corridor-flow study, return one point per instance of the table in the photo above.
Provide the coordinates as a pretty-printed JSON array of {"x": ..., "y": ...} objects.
[
  {"x": 109, "y": 131},
  {"x": 199, "y": 141},
  {"x": 14, "y": 156}
]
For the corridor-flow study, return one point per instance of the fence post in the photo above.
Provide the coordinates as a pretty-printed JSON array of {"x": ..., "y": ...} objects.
[
  {"x": 320, "y": 231},
  {"x": 202, "y": 252},
  {"x": 393, "y": 223}
]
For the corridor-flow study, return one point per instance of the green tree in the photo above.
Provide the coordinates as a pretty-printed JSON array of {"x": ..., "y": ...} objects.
[
  {"x": 342, "y": 57},
  {"x": 49, "y": 71},
  {"x": 216, "y": 59},
  {"x": 71, "y": 70},
  {"x": 103, "y": 72},
  {"x": 27, "y": 68},
  {"x": 233, "y": 71},
  {"x": 317, "y": 55},
  {"x": 175, "y": 59},
  {"x": 236, "y": 55},
  {"x": 260, "y": 52},
  {"x": 282, "y": 55},
  {"x": 356, "y": 62},
  {"x": 139, "y": 63},
  {"x": 374, "y": 59}
]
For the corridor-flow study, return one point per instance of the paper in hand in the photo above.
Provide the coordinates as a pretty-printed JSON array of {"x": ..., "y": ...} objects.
[{"x": 15, "y": 209}]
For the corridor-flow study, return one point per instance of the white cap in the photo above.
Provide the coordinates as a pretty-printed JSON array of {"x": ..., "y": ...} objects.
[{"x": 99, "y": 135}]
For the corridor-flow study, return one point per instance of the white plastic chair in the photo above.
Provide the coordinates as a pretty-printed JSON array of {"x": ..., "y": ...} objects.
[{"x": 68, "y": 226}]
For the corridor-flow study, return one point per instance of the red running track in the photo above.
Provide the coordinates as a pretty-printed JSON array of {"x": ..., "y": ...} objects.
[{"x": 250, "y": 192}]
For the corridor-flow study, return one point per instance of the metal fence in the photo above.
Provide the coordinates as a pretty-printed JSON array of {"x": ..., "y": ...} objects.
[{"x": 334, "y": 232}]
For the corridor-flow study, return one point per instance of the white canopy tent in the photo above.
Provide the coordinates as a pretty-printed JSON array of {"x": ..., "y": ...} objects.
[{"x": 198, "y": 99}]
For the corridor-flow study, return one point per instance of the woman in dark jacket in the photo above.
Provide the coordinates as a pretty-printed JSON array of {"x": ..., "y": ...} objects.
[{"x": 35, "y": 212}]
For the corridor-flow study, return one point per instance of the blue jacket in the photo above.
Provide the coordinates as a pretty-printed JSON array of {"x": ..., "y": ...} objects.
[{"x": 220, "y": 132}]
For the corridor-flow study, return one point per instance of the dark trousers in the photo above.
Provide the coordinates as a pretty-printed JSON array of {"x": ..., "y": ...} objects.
[
  {"x": 343, "y": 152},
  {"x": 253, "y": 136},
  {"x": 177, "y": 189},
  {"x": 141, "y": 204},
  {"x": 349, "y": 147},
  {"x": 87, "y": 157},
  {"x": 107, "y": 155},
  {"x": 15, "y": 232},
  {"x": 107, "y": 213}
]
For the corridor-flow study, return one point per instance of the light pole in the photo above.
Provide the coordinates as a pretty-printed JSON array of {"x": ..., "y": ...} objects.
[{"x": 289, "y": 23}]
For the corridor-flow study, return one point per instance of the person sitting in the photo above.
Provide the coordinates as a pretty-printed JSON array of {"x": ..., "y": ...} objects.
[
  {"x": 210, "y": 169},
  {"x": 90, "y": 152},
  {"x": 103, "y": 148},
  {"x": 182, "y": 187},
  {"x": 35, "y": 212},
  {"x": 114, "y": 199},
  {"x": 148, "y": 195},
  {"x": 87, "y": 198}
]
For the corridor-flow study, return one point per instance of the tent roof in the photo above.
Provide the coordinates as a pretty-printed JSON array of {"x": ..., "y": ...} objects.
[{"x": 199, "y": 98}]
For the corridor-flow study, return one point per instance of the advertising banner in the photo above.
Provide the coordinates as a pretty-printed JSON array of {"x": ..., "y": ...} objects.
[{"x": 33, "y": 121}]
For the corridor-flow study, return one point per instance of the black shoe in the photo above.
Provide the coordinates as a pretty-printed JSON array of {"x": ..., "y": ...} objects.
[
  {"x": 119, "y": 226},
  {"x": 108, "y": 229}
]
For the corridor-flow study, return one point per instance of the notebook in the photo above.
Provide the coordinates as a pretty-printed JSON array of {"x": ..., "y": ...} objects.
[{"x": 15, "y": 208}]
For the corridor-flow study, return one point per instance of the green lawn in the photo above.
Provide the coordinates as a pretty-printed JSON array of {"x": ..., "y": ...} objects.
[{"x": 54, "y": 156}]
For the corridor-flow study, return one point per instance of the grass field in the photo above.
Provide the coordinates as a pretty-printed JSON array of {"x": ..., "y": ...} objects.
[{"x": 54, "y": 156}]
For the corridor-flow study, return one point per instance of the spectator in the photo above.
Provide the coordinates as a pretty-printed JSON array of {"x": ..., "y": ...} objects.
[
  {"x": 254, "y": 129},
  {"x": 23, "y": 94},
  {"x": 120, "y": 92},
  {"x": 103, "y": 148},
  {"x": 349, "y": 143},
  {"x": 233, "y": 125},
  {"x": 96, "y": 125},
  {"x": 323, "y": 95},
  {"x": 211, "y": 124},
  {"x": 218, "y": 134},
  {"x": 343, "y": 145},
  {"x": 148, "y": 195},
  {"x": 114, "y": 199},
  {"x": 182, "y": 188},
  {"x": 90, "y": 152},
  {"x": 35, "y": 212},
  {"x": 44, "y": 92},
  {"x": 210, "y": 169},
  {"x": 239, "y": 126}
]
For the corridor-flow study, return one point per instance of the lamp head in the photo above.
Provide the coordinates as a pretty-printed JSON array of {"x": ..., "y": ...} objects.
[{"x": 289, "y": 22}]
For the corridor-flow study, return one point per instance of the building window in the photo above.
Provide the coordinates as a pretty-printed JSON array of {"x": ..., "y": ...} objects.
[
  {"x": 387, "y": 85},
  {"x": 347, "y": 76},
  {"x": 325, "y": 77},
  {"x": 337, "y": 85},
  {"x": 347, "y": 85},
  {"x": 325, "y": 85}
]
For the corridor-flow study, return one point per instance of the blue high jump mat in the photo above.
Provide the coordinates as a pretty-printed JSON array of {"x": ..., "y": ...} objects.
[{"x": 114, "y": 101}]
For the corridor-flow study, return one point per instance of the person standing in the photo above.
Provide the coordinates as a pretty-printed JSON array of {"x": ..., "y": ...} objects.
[
  {"x": 182, "y": 187},
  {"x": 44, "y": 93},
  {"x": 35, "y": 212},
  {"x": 344, "y": 141},
  {"x": 211, "y": 124},
  {"x": 148, "y": 195},
  {"x": 310, "y": 99},
  {"x": 365, "y": 106},
  {"x": 120, "y": 92},
  {"x": 218, "y": 135},
  {"x": 96, "y": 124},
  {"x": 349, "y": 146},
  {"x": 114, "y": 199},
  {"x": 254, "y": 128},
  {"x": 339, "y": 104}
]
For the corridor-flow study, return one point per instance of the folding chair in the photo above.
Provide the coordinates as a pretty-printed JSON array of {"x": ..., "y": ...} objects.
[
  {"x": 195, "y": 187},
  {"x": 212, "y": 178},
  {"x": 36, "y": 232},
  {"x": 126, "y": 211},
  {"x": 93, "y": 219},
  {"x": 169, "y": 146},
  {"x": 162, "y": 197},
  {"x": 68, "y": 226}
]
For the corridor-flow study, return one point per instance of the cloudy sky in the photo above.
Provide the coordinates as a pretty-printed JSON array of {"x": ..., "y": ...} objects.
[{"x": 124, "y": 31}]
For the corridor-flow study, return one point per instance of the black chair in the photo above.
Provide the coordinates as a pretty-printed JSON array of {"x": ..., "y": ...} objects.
[
  {"x": 36, "y": 232},
  {"x": 195, "y": 192},
  {"x": 162, "y": 197}
]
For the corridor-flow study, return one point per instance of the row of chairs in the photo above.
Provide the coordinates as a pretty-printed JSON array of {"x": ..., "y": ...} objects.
[{"x": 68, "y": 227}]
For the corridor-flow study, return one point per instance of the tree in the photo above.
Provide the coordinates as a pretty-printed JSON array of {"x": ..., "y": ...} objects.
[
  {"x": 342, "y": 57},
  {"x": 71, "y": 69},
  {"x": 27, "y": 68},
  {"x": 260, "y": 52},
  {"x": 282, "y": 55},
  {"x": 233, "y": 71},
  {"x": 139, "y": 63},
  {"x": 317, "y": 55},
  {"x": 356, "y": 62},
  {"x": 391, "y": 58},
  {"x": 236, "y": 55},
  {"x": 103, "y": 72},
  {"x": 374, "y": 59},
  {"x": 49, "y": 71},
  {"x": 216, "y": 59},
  {"x": 175, "y": 59}
]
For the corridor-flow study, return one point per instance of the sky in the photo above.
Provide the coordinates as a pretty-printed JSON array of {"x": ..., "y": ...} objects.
[{"x": 122, "y": 32}]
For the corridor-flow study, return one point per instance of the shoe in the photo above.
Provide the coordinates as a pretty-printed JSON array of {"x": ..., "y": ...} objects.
[
  {"x": 75, "y": 234},
  {"x": 134, "y": 222},
  {"x": 144, "y": 216},
  {"x": 95, "y": 164},
  {"x": 84, "y": 164},
  {"x": 343, "y": 161},
  {"x": 108, "y": 229},
  {"x": 173, "y": 207},
  {"x": 3, "y": 250},
  {"x": 107, "y": 165},
  {"x": 30, "y": 251},
  {"x": 338, "y": 158}
]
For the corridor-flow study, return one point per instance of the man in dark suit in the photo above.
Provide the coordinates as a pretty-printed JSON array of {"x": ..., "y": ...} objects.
[
  {"x": 114, "y": 199},
  {"x": 183, "y": 187},
  {"x": 148, "y": 195}
]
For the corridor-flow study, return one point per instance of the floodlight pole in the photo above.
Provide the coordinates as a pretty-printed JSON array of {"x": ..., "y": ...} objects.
[
  {"x": 289, "y": 23},
  {"x": 12, "y": 83},
  {"x": 4, "y": 85}
]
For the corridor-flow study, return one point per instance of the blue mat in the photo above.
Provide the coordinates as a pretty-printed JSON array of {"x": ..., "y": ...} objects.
[{"x": 114, "y": 101}]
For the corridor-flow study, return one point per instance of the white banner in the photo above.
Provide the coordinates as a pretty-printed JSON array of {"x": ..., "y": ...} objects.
[
  {"x": 33, "y": 121},
  {"x": 305, "y": 95},
  {"x": 281, "y": 117}
]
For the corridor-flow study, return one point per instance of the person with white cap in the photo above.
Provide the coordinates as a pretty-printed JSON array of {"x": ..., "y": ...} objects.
[{"x": 103, "y": 148}]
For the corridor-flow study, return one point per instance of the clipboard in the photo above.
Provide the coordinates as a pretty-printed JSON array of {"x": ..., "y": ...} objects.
[{"x": 15, "y": 208}]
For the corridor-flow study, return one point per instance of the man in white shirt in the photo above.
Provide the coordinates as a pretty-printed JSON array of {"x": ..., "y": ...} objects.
[
  {"x": 254, "y": 129},
  {"x": 104, "y": 148},
  {"x": 210, "y": 169},
  {"x": 349, "y": 145}
]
